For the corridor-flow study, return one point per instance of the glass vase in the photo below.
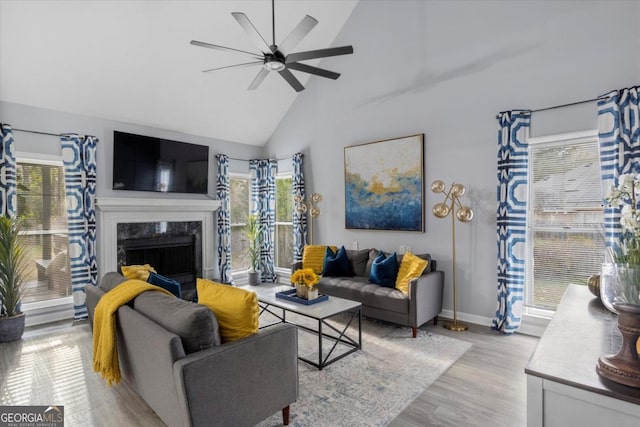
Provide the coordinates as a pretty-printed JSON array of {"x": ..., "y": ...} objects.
[{"x": 619, "y": 284}]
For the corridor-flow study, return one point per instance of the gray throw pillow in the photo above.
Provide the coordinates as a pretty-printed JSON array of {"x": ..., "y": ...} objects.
[{"x": 358, "y": 260}]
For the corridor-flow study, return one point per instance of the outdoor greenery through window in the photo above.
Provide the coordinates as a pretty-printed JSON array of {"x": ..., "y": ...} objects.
[
  {"x": 240, "y": 201},
  {"x": 564, "y": 218},
  {"x": 284, "y": 222},
  {"x": 41, "y": 202}
]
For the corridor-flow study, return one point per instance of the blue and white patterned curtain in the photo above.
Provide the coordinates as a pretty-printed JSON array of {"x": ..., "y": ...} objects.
[
  {"x": 263, "y": 200},
  {"x": 619, "y": 140},
  {"x": 299, "y": 218},
  {"x": 224, "y": 218},
  {"x": 79, "y": 159},
  {"x": 513, "y": 133},
  {"x": 8, "y": 197}
]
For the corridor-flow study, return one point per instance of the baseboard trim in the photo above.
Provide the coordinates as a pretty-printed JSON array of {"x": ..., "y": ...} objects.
[
  {"x": 531, "y": 325},
  {"x": 48, "y": 311}
]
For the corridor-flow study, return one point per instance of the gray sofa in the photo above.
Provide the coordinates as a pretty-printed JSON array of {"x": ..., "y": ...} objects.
[
  {"x": 423, "y": 303},
  {"x": 170, "y": 352}
]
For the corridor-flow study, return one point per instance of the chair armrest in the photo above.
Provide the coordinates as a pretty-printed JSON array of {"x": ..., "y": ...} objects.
[
  {"x": 242, "y": 382},
  {"x": 425, "y": 297}
]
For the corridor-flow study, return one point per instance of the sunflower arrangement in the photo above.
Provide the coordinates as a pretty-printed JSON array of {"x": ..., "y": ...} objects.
[{"x": 306, "y": 277}]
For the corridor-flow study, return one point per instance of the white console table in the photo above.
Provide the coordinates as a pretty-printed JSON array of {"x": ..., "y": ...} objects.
[{"x": 563, "y": 388}]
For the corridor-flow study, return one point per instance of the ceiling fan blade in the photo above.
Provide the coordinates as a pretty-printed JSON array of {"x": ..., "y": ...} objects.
[
  {"x": 313, "y": 70},
  {"x": 246, "y": 64},
  {"x": 320, "y": 53},
  {"x": 254, "y": 35},
  {"x": 297, "y": 34},
  {"x": 291, "y": 79},
  {"x": 259, "y": 78},
  {"x": 224, "y": 48}
]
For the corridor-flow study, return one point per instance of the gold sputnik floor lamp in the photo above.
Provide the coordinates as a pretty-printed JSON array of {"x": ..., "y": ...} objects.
[
  {"x": 311, "y": 207},
  {"x": 451, "y": 205}
]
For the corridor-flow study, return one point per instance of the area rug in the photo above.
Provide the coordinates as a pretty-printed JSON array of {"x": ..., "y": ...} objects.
[{"x": 372, "y": 386}]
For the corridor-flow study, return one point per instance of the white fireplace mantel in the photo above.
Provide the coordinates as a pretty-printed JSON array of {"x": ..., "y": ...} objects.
[
  {"x": 130, "y": 204},
  {"x": 113, "y": 211}
]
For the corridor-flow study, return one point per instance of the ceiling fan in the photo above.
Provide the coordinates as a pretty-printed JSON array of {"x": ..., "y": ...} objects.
[{"x": 279, "y": 57}]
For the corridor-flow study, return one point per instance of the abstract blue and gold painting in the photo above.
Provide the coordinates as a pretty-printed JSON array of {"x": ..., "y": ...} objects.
[{"x": 384, "y": 184}]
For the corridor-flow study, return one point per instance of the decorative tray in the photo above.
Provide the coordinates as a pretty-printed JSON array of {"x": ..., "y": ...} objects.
[{"x": 290, "y": 295}]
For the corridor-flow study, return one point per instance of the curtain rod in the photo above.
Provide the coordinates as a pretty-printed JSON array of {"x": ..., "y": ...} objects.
[
  {"x": 556, "y": 106},
  {"x": 36, "y": 132},
  {"x": 247, "y": 160}
]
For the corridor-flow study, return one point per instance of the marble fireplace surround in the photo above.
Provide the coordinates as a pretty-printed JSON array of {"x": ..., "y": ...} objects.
[{"x": 127, "y": 210}]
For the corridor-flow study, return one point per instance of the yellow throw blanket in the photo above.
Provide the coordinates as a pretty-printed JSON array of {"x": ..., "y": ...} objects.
[{"x": 105, "y": 352}]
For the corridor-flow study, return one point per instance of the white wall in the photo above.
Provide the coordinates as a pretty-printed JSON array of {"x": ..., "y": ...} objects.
[
  {"x": 446, "y": 69},
  {"x": 39, "y": 119}
]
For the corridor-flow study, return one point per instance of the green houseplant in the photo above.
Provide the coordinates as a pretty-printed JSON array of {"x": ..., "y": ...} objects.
[
  {"x": 12, "y": 273},
  {"x": 253, "y": 231}
]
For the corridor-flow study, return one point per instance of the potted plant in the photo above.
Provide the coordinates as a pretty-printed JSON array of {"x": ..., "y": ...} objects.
[
  {"x": 253, "y": 230},
  {"x": 305, "y": 281},
  {"x": 12, "y": 285}
]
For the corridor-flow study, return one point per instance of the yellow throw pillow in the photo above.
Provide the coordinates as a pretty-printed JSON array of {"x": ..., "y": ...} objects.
[
  {"x": 235, "y": 309},
  {"x": 410, "y": 268},
  {"x": 313, "y": 257},
  {"x": 140, "y": 272}
]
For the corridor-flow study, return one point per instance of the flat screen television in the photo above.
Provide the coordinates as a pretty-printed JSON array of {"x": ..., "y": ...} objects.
[{"x": 145, "y": 163}]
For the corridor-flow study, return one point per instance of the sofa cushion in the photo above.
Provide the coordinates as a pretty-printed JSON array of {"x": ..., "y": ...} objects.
[
  {"x": 358, "y": 260},
  {"x": 313, "y": 257},
  {"x": 347, "y": 288},
  {"x": 384, "y": 270},
  {"x": 165, "y": 283},
  {"x": 411, "y": 267},
  {"x": 359, "y": 289},
  {"x": 336, "y": 264},
  {"x": 194, "y": 324},
  {"x": 235, "y": 309},
  {"x": 385, "y": 299}
]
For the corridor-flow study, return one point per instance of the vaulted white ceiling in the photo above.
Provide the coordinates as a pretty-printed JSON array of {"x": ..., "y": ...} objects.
[{"x": 131, "y": 61}]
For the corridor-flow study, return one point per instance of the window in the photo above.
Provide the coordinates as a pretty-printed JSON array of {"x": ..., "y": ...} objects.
[
  {"x": 41, "y": 202},
  {"x": 240, "y": 201},
  {"x": 564, "y": 217},
  {"x": 284, "y": 222}
]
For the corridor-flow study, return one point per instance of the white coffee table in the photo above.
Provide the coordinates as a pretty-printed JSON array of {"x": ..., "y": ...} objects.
[{"x": 319, "y": 312}]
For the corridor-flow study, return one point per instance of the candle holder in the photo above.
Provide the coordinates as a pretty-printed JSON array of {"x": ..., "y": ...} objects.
[{"x": 450, "y": 205}]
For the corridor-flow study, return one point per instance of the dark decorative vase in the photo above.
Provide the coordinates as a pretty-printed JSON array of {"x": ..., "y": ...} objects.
[{"x": 11, "y": 328}]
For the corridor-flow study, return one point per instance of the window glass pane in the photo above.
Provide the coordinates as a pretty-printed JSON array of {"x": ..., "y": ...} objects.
[
  {"x": 284, "y": 222},
  {"x": 41, "y": 202},
  {"x": 239, "y": 198},
  {"x": 565, "y": 217},
  {"x": 284, "y": 200},
  {"x": 285, "y": 245}
]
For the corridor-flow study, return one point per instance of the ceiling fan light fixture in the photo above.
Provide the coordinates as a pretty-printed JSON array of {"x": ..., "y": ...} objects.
[{"x": 273, "y": 64}]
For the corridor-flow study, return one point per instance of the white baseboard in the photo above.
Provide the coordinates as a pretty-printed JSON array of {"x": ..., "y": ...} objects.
[
  {"x": 42, "y": 312},
  {"x": 531, "y": 325},
  {"x": 465, "y": 317}
]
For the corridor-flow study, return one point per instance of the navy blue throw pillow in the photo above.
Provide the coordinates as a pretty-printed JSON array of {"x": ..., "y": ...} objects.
[
  {"x": 384, "y": 270},
  {"x": 336, "y": 264},
  {"x": 165, "y": 283}
]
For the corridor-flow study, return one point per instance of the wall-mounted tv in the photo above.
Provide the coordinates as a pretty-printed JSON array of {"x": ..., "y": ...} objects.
[{"x": 144, "y": 163}]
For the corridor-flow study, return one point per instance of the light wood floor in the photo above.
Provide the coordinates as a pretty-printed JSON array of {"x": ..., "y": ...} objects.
[{"x": 52, "y": 365}]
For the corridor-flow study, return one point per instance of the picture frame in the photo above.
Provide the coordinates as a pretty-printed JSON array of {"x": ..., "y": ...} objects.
[{"x": 384, "y": 184}]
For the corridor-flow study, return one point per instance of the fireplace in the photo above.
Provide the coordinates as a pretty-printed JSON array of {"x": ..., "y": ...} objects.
[
  {"x": 173, "y": 249},
  {"x": 175, "y": 236}
]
